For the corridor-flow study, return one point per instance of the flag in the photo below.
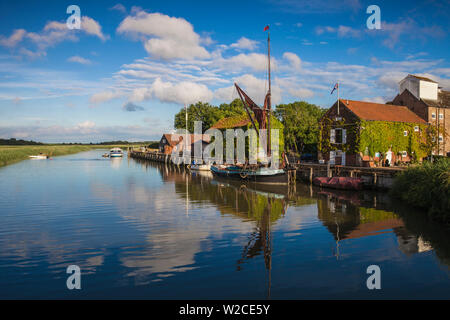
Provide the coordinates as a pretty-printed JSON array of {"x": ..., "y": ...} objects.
[
  {"x": 336, "y": 86},
  {"x": 266, "y": 28}
]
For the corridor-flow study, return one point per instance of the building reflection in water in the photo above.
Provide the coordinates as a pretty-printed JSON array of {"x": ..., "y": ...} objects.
[{"x": 346, "y": 215}]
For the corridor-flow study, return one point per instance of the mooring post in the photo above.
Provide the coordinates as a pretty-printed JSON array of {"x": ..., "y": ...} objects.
[{"x": 311, "y": 174}]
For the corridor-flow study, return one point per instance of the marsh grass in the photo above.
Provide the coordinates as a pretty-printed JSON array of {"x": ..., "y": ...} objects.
[
  {"x": 426, "y": 186},
  {"x": 13, "y": 154}
]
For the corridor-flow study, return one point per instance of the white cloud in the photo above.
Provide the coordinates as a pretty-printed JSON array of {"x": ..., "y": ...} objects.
[
  {"x": 341, "y": 31},
  {"x": 13, "y": 39},
  {"x": 85, "y": 127},
  {"x": 294, "y": 60},
  {"x": 78, "y": 59},
  {"x": 254, "y": 61},
  {"x": 245, "y": 44},
  {"x": 256, "y": 89},
  {"x": 119, "y": 7},
  {"x": 301, "y": 93},
  {"x": 53, "y": 33},
  {"x": 184, "y": 92},
  {"x": 165, "y": 37},
  {"x": 92, "y": 27},
  {"x": 104, "y": 96},
  {"x": 375, "y": 99}
]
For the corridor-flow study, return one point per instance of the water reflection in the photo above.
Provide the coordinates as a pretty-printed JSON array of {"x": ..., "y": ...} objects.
[
  {"x": 158, "y": 231},
  {"x": 346, "y": 215}
]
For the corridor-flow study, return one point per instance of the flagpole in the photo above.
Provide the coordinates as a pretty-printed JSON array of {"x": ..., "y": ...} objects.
[
  {"x": 269, "y": 102},
  {"x": 186, "y": 131}
]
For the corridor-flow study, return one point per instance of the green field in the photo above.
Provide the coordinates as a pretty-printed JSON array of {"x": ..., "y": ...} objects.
[{"x": 12, "y": 154}]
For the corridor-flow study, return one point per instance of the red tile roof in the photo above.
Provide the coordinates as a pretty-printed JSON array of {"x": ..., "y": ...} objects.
[
  {"x": 174, "y": 142},
  {"x": 381, "y": 112}
]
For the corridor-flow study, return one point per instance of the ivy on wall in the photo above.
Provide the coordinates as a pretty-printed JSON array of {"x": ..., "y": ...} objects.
[
  {"x": 379, "y": 136},
  {"x": 375, "y": 136}
]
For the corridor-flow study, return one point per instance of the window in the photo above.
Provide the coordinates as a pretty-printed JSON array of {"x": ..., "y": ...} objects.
[
  {"x": 404, "y": 154},
  {"x": 441, "y": 138},
  {"x": 338, "y": 138},
  {"x": 433, "y": 116},
  {"x": 416, "y": 129},
  {"x": 405, "y": 133},
  {"x": 441, "y": 116}
]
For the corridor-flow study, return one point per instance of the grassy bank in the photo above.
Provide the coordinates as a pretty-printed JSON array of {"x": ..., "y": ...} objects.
[
  {"x": 12, "y": 154},
  {"x": 426, "y": 186}
]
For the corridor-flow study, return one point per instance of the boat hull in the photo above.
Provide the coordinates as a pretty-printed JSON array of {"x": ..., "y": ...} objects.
[
  {"x": 260, "y": 176},
  {"x": 114, "y": 155},
  {"x": 342, "y": 183},
  {"x": 200, "y": 167}
]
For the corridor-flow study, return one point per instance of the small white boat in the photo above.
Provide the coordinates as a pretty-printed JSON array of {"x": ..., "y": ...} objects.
[
  {"x": 200, "y": 167},
  {"x": 40, "y": 156},
  {"x": 116, "y": 153}
]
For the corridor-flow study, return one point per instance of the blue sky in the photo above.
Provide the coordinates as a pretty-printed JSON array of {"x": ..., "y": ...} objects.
[{"x": 134, "y": 64}]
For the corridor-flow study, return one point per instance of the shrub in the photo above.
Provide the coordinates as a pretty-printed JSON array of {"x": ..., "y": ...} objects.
[{"x": 426, "y": 186}]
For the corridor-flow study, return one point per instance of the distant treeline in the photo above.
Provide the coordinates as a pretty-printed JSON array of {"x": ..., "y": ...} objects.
[{"x": 15, "y": 142}]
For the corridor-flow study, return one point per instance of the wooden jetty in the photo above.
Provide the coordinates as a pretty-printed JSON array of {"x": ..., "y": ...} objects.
[{"x": 376, "y": 178}]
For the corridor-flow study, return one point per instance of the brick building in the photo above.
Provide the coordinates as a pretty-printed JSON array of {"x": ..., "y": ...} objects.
[
  {"x": 425, "y": 98},
  {"x": 345, "y": 126},
  {"x": 169, "y": 141}
]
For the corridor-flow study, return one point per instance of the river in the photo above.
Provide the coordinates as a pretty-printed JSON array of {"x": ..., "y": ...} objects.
[{"x": 143, "y": 230}]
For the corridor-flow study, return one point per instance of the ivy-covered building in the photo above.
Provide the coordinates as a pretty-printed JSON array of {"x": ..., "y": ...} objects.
[
  {"x": 354, "y": 131},
  {"x": 243, "y": 122}
]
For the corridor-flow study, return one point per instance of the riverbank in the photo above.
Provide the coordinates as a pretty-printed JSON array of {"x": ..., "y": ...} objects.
[
  {"x": 428, "y": 187},
  {"x": 13, "y": 154}
]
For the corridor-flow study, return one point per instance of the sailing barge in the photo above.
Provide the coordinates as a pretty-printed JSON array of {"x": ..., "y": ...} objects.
[{"x": 259, "y": 173}]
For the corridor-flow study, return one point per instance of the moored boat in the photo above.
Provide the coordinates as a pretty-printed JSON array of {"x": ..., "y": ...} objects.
[
  {"x": 116, "y": 153},
  {"x": 258, "y": 173},
  {"x": 264, "y": 175},
  {"x": 200, "y": 167},
  {"x": 343, "y": 183},
  {"x": 39, "y": 156}
]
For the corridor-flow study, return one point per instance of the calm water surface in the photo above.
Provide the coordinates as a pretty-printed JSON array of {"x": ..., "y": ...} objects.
[{"x": 142, "y": 230}]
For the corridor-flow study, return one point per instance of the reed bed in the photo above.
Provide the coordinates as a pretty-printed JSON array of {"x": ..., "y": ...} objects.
[{"x": 13, "y": 154}]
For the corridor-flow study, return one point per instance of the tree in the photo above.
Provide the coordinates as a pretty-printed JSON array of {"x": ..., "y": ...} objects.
[
  {"x": 301, "y": 125},
  {"x": 207, "y": 113}
]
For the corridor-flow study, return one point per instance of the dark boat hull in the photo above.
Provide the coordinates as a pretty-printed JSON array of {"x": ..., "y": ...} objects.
[
  {"x": 342, "y": 183},
  {"x": 278, "y": 177}
]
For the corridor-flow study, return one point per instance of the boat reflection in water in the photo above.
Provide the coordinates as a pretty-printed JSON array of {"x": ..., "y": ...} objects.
[
  {"x": 138, "y": 229},
  {"x": 360, "y": 223}
]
